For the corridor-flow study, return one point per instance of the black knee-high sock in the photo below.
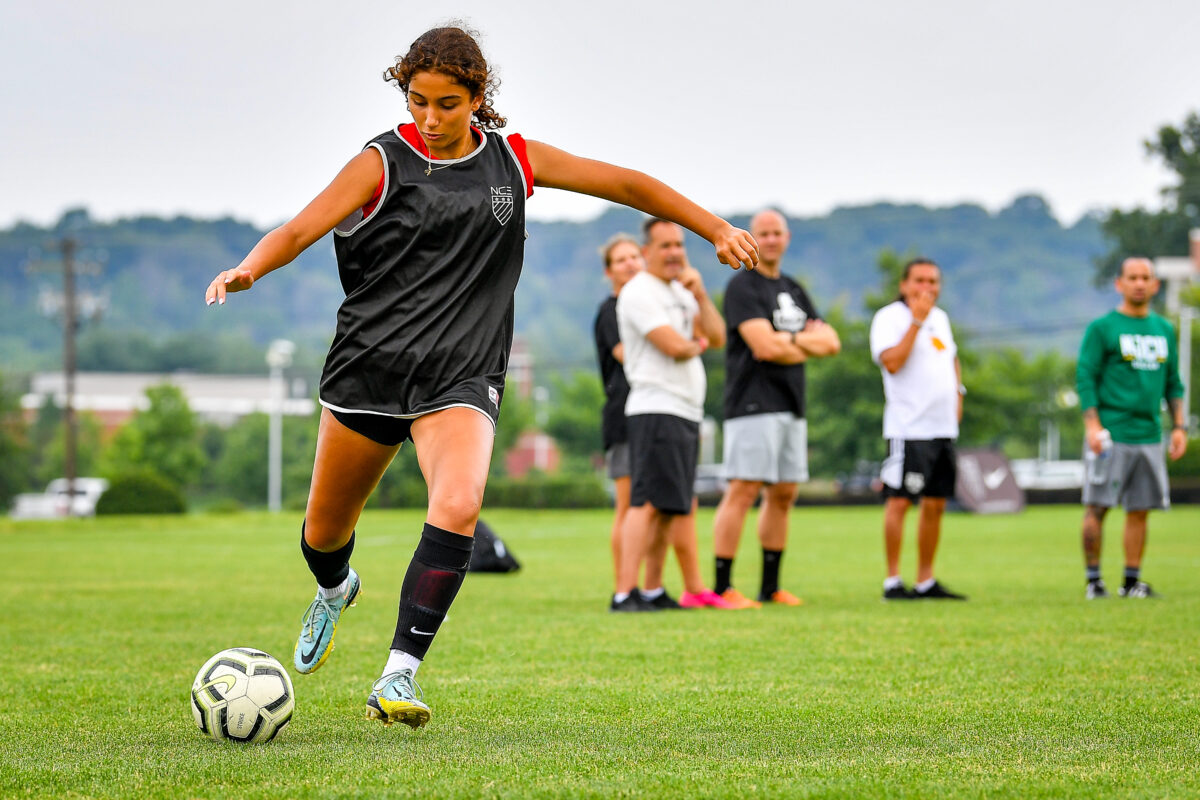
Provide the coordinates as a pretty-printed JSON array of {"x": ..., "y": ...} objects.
[
  {"x": 434, "y": 575},
  {"x": 724, "y": 574},
  {"x": 330, "y": 569},
  {"x": 770, "y": 572}
]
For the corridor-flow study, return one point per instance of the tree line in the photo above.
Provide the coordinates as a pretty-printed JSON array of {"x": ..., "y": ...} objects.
[{"x": 1031, "y": 270}]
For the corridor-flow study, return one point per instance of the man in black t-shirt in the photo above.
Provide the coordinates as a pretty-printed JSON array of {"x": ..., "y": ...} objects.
[
  {"x": 622, "y": 260},
  {"x": 773, "y": 329}
]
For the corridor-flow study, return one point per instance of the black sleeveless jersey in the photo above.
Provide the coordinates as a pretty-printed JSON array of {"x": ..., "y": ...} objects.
[{"x": 429, "y": 274}]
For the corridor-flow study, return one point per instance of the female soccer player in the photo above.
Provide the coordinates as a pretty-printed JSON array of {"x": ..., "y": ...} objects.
[{"x": 429, "y": 224}]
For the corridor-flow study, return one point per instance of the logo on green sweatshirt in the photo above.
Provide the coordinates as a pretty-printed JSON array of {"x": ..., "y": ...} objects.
[{"x": 1144, "y": 352}]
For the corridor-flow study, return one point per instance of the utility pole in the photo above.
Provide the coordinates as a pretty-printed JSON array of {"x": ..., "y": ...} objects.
[
  {"x": 68, "y": 304},
  {"x": 70, "y": 325}
]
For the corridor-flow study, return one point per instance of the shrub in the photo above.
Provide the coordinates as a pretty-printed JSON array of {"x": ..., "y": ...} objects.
[
  {"x": 540, "y": 491},
  {"x": 141, "y": 493}
]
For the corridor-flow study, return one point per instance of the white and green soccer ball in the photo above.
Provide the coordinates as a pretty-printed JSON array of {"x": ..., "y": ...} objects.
[{"x": 242, "y": 695}]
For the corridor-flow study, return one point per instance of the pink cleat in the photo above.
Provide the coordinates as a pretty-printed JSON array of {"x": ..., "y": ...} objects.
[{"x": 702, "y": 599}]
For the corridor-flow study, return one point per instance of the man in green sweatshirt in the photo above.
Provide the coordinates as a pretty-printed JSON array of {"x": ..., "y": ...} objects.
[{"x": 1128, "y": 364}]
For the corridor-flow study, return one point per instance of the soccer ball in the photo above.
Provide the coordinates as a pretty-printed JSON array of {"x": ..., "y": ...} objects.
[{"x": 243, "y": 695}]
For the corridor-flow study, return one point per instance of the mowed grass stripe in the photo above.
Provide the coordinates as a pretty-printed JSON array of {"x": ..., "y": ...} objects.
[{"x": 1024, "y": 691}]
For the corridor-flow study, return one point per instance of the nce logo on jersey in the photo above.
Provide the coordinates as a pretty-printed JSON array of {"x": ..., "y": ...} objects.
[
  {"x": 1143, "y": 352},
  {"x": 502, "y": 204}
]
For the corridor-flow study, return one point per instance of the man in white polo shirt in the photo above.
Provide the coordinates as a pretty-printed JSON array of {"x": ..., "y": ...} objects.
[
  {"x": 666, "y": 320},
  {"x": 912, "y": 342}
]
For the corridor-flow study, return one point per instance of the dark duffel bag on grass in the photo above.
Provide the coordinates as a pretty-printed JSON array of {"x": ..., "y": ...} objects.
[{"x": 490, "y": 553}]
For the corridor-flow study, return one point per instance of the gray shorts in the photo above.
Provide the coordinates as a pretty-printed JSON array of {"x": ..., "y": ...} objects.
[
  {"x": 616, "y": 460},
  {"x": 772, "y": 448},
  {"x": 1131, "y": 475}
]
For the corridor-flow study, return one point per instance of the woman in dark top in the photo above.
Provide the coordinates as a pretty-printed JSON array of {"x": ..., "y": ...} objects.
[
  {"x": 429, "y": 223},
  {"x": 622, "y": 260}
]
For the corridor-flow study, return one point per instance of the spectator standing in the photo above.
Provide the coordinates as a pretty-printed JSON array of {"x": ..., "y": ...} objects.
[
  {"x": 912, "y": 342},
  {"x": 666, "y": 320},
  {"x": 622, "y": 260},
  {"x": 1128, "y": 365},
  {"x": 773, "y": 328}
]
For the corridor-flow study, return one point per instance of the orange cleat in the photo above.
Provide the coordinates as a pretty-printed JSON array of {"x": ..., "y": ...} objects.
[
  {"x": 738, "y": 600},
  {"x": 783, "y": 598}
]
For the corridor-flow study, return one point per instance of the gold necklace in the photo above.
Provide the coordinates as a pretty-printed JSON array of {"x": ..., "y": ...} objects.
[{"x": 430, "y": 168}]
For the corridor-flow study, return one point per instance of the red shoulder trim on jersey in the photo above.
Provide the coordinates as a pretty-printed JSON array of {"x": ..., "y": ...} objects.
[
  {"x": 517, "y": 142},
  {"x": 409, "y": 133},
  {"x": 375, "y": 198}
]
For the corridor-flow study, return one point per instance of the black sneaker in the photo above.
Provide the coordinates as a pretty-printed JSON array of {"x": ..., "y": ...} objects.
[
  {"x": 663, "y": 602},
  {"x": 898, "y": 592},
  {"x": 937, "y": 592},
  {"x": 1096, "y": 590},
  {"x": 1141, "y": 589},
  {"x": 633, "y": 602}
]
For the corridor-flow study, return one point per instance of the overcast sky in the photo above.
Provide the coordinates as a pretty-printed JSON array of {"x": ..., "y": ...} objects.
[{"x": 250, "y": 108}]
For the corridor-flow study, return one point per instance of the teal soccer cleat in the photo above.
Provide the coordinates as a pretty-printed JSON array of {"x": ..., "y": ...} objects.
[
  {"x": 320, "y": 624},
  {"x": 396, "y": 698}
]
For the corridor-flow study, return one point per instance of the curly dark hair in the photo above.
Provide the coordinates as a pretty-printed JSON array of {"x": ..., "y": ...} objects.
[{"x": 453, "y": 52}]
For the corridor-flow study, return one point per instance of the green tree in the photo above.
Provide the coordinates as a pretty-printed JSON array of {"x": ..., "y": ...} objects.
[
  {"x": 238, "y": 459},
  {"x": 88, "y": 448},
  {"x": 1141, "y": 232},
  {"x": 574, "y": 419},
  {"x": 845, "y": 402},
  {"x": 1013, "y": 397},
  {"x": 891, "y": 269},
  {"x": 164, "y": 438},
  {"x": 14, "y": 446}
]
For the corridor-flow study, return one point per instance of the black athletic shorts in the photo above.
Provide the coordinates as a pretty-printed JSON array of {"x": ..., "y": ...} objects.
[
  {"x": 387, "y": 431},
  {"x": 918, "y": 468},
  {"x": 663, "y": 450}
]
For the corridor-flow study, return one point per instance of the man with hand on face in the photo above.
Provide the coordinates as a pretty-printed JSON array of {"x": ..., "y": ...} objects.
[
  {"x": 773, "y": 329},
  {"x": 1128, "y": 364},
  {"x": 666, "y": 321},
  {"x": 922, "y": 386}
]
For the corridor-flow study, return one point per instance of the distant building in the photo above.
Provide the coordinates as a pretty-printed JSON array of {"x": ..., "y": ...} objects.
[
  {"x": 112, "y": 397},
  {"x": 533, "y": 450}
]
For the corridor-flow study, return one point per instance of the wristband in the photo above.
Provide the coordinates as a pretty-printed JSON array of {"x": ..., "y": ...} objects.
[
  {"x": 794, "y": 338},
  {"x": 962, "y": 390},
  {"x": 1179, "y": 428}
]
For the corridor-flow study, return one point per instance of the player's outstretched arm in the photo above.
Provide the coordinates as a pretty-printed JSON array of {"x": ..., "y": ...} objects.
[
  {"x": 351, "y": 189},
  {"x": 558, "y": 169}
]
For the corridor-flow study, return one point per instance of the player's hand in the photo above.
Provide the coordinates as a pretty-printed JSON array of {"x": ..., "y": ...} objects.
[
  {"x": 692, "y": 280},
  {"x": 1098, "y": 439},
  {"x": 231, "y": 280},
  {"x": 920, "y": 305},
  {"x": 736, "y": 248},
  {"x": 1178, "y": 444}
]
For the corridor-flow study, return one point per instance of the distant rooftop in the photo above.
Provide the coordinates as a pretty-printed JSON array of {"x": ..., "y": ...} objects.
[{"x": 218, "y": 398}]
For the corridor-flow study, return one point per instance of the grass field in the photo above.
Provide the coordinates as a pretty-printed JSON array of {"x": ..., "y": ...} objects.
[{"x": 1026, "y": 691}]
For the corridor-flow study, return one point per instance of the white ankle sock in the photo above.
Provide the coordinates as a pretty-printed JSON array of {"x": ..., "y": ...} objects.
[
  {"x": 337, "y": 591},
  {"x": 398, "y": 660},
  {"x": 925, "y": 586},
  {"x": 892, "y": 582},
  {"x": 619, "y": 597},
  {"x": 653, "y": 594}
]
